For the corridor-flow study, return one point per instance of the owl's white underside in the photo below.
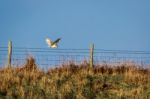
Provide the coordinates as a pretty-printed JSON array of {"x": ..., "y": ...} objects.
[
  {"x": 49, "y": 42},
  {"x": 53, "y": 46}
]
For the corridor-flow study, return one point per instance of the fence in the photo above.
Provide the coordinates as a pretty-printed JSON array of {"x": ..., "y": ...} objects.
[{"x": 46, "y": 57}]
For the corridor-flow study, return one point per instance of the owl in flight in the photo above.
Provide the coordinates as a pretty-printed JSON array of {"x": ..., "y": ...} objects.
[{"x": 52, "y": 44}]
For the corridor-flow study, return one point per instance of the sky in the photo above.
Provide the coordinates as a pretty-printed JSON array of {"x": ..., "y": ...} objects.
[{"x": 109, "y": 24}]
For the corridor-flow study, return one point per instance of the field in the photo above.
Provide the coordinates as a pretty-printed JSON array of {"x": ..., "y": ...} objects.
[{"x": 71, "y": 81}]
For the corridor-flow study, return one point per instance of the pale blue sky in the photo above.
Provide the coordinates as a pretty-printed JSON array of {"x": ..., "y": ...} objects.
[{"x": 109, "y": 24}]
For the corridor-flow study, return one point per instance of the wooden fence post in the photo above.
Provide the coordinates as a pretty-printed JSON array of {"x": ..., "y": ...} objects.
[
  {"x": 9, "y": 53},
  {"x": 91, "y": 55}
]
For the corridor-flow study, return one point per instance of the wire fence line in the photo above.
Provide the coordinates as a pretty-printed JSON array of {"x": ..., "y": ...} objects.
[{"x": 46, "y": 57}]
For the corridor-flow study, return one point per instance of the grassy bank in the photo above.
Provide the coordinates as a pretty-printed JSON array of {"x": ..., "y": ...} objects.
[{"x": 71, "y": 81}]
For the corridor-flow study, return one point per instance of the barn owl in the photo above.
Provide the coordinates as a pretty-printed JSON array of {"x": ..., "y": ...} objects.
[{"x": 52, "y": 44}]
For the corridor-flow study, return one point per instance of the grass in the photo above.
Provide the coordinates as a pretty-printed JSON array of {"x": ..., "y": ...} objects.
[{"x": 71, "y": 81}]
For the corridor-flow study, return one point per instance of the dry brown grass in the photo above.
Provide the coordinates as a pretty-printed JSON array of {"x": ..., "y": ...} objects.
[{"x": 71, "y": 81}]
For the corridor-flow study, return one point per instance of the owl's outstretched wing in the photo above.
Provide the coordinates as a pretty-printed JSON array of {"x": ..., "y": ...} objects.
[
  {"x": 49, "y": 42},
  {"x": 56, "y": 41}
]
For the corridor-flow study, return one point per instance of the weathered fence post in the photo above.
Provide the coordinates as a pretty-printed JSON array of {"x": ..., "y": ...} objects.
[
  {"x": 91, "y": 55},
  {"x": 9, "y": 53}
]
